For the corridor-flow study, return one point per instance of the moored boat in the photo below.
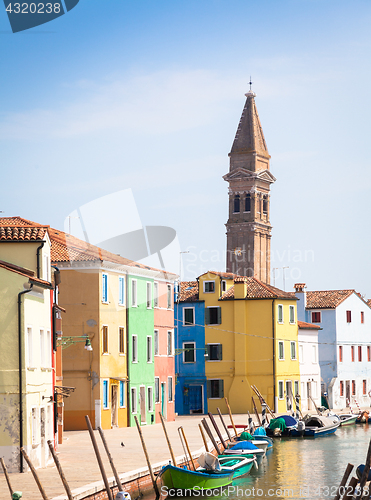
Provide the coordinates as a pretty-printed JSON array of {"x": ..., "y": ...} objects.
[
  {"x": 241, "y": 465},
  {"x": 318, "y": 425},
  {"x": 347, "y": 419},
  {"x": 177, "y": 478}
]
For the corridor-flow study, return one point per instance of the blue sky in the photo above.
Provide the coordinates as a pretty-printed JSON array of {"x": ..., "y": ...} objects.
[{"x": 147, "y": 95}]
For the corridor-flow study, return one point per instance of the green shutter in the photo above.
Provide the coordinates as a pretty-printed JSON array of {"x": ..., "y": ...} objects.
[
  {"x": 220, "y": 352},
  {"x": 207, "y": 316},
  {"x": 208, "y": 351},
  {"x": 219, "y": 316},
  {"x": 221, "y": 388}
]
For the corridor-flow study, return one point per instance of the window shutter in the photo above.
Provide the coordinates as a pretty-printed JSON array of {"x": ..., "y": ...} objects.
[
  {"x": 220, "y": 352},
  {"x": 219, "y": 315},
  {"x": 208, "y": 384},
  {"x": 221, "y": 388},
  {"x": 207, "y": 316},
  {"x": 208, "y": 351}
]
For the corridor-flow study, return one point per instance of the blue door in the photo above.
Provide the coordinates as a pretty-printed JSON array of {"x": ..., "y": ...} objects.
[{"x": 195, "y": 399}]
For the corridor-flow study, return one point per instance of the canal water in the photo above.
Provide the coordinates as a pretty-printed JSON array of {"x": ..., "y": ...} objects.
[{"x": 303, "y": 468}]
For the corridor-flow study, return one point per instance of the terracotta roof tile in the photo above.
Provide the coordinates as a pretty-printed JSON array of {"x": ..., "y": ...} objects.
[
  {"x": 369, "y": 302},
  {"x": 27, "y": 273},
  {"x": 256, "y": 289},
  {"x": 19, "y": 222},
  {"x": 308, "y": 326},
  {"x": 13, "y": 233},
  {"x": 188, "y": 291},
  {"x": 327, "y": 299}
]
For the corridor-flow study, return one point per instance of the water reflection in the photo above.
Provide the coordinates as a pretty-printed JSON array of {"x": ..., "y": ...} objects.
[{"x": 300, "y": 468}]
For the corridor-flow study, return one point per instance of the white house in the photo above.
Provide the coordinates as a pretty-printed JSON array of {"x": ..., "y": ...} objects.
[
  {"x": 310, "y": 372},
  {"x": 344, "y": 342}
]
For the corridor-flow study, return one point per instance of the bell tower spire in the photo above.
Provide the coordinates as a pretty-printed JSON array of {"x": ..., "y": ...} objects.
[{"x": 249, "y": 179}]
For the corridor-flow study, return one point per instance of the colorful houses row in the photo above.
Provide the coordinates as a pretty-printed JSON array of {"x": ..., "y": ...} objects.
[
  {"x": 234, "y": 332},
  {"x": 117, "y": 339}
]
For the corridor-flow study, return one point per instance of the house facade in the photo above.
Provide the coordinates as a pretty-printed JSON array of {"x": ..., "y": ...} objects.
[
  {"x": 164, "y": 349},
  {"x": 310, "y": 371},
  {"x": 27, "y": 344},
  {"x": 344, "y": 342},
  {"x": 251, "y": 335},
  {"x": 189, "y": 319}
]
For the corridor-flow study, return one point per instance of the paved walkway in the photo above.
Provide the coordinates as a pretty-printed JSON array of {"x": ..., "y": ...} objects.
[{"x": 80, "y": 466}]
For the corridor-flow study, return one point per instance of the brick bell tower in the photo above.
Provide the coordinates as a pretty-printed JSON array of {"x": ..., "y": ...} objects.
[{"x": 249, "y": 179}]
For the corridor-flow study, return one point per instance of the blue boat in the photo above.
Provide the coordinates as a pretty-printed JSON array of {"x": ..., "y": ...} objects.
[{"x": 318, "y": 425}]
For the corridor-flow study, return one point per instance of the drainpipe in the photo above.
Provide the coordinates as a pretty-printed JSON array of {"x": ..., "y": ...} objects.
[
  {"x": 128, "y": 399},
  {"x": 20, "y": 374},
  {"x": 38, "y": 259},
  {"x": 274, "y": 358}
]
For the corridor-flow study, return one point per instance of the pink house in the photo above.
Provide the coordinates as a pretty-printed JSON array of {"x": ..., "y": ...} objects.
[{"x": 164, "y": 349}]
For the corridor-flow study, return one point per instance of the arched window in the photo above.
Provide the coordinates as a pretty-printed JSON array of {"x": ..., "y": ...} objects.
[
  {"x": 265, "y": 204},
  {"x": 236, "y": 207},
  {"x": 248, "y": 203}
]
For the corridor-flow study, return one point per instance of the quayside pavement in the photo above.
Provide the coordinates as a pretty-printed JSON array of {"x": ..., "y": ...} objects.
[{"x": 80, "y": 466}]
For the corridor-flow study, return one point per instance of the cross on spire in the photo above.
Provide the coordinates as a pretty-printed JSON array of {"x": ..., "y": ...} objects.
[{"x": 250, "y": 83}]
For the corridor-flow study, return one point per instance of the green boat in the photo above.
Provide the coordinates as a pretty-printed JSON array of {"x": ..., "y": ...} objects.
[
  {"x": 241, "y": 466},
  {"x": 176, "y": 478}
]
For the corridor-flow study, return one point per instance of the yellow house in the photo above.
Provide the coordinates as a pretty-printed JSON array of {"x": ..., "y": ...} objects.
[
  {"x": 26, "y": 344},
  {"x": 251, "y": 336}
]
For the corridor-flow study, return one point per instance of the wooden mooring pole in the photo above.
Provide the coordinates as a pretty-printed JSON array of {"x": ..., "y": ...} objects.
[
  {"x": 34, "y": 473},
  {"x": 211, "y": 417},
  {"x": 167, "y": 438},
  {"x": 340, "y": 489},
  {"x": 209, "y": 433},
  {"x": 99, "y": 458},
  {"x": 59, "y": 468},
  {"x": 224, "y": 424},
  {"x": 147, "y": 457},
  {"x": 203, "y": 437},
  {"x": 117, "y": 477},
  {"x": 6, "y": 476},
  {"x": 230, "y": 416}
]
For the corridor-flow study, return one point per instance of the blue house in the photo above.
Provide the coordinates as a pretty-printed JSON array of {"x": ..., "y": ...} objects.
[
  {"x": 344, "y": 342},
  {"x": 189, "y": 319}
]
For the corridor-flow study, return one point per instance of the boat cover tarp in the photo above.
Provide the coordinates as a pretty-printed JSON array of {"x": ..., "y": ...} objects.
[
  {"x": 289, "y": 420},
  {"x": 260, "y": 431},
  {"x": 244, "y": 445},
  {"x": 277, "y": 423},
  {"x": 245, "y": 436}
]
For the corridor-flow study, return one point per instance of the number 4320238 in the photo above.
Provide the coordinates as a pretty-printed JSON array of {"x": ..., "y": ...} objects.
[{"x": 34, "y": 8}]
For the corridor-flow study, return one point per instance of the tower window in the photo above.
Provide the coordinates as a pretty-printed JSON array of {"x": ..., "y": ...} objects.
[
  {"x": 265, "y": 205},
  {"x": 236, "y": 207},
  {"x": 248, "y": 203}
]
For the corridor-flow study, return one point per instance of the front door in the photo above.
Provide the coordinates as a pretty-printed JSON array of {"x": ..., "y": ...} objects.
[
  {"x": 347, "y": 390},
  {"x": 114, "y": 407},
  {"x": 163, "y": 399},
  {"x": 142, "y": 405},
  {"x": 195, "y": 399}
]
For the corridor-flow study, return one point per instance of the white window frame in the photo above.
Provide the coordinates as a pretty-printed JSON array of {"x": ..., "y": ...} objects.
[
  {"x": 156, "y": 340},
  {"x": 172, "y": 343},
  {"x": 280, "y": 308},
  {"x": 208, "y": 281},
  {"x": 194, "y": 353},
  {"x": 170, "y": 392},
  {"x": 149, "y": 294},
  {"x": 134, "y": 351},
  {"x": 281, "y": 383},
  {"x": 159, "y": 396},
  {"x": 105, "y": 353},
  {"x": 134, "y": 292},
  {"x": 42, "y": 348},
  {"x": 281, "y": 342},
  {"x": 155, "y": 294},
  {"x": 149, "y": 349},
  {"x": 293, "y": 343},
  {"x": 122, "y": 285},
  {"x": 188, "y": 324},
  {"x": 30, "y": 357},
  {"x": 292, "y": 310},
  {"x": 122, "y": 353},
  {"x": 150, "y": 399},
  {"x": 134, "y": 408}
]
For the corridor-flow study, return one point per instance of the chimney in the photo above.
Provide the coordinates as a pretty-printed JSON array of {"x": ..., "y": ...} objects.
[
  {"x": 301, "y": 304},
  {"x": 240, "y": 288}
]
